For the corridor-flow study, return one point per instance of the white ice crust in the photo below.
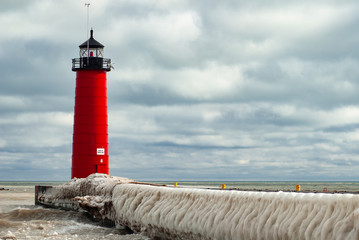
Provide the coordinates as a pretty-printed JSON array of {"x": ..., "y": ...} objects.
[
  {"x": 91, "y": 193},
  {"x": 185, "y": 213},
  {"x": 215, "y": 214}
]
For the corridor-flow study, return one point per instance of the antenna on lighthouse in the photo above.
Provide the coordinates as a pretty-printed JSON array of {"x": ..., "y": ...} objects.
[{"x": 87, "y": 30}]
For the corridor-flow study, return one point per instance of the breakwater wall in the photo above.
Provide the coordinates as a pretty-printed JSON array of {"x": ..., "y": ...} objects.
[{"x": 185, "y": 213}]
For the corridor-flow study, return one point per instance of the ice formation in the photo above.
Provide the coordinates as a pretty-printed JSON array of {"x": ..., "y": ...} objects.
[
  {"x": 184, "y": 213},
  {"x": 214, "y": 214},
  {"x": 92, "y": 194}
]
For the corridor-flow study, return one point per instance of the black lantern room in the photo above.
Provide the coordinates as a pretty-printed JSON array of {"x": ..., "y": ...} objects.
[{"x": 91, "y": 56}]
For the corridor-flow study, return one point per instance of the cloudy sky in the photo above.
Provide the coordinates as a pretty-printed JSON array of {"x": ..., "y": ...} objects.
[{"x": 202, "y": 90}]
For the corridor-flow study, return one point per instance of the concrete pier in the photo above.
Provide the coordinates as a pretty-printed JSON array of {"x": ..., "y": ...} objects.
[{"x": 39, "y": 192}]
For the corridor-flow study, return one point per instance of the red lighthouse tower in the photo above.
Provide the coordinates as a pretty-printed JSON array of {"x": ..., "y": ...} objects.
[{"x": 90, "y": 136}]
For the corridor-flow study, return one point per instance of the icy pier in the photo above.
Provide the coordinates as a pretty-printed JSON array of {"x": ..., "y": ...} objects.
[{"x": 184, "y": 213}]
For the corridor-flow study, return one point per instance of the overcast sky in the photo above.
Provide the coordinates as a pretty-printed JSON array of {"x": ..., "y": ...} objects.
[{"x": 201, "y": 90}]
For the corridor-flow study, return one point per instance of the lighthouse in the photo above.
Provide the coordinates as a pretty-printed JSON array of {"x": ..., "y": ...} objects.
[{"x": 90, "y": 132}]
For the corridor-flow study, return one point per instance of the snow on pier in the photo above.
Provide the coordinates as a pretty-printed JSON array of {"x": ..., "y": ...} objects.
[{"x": 185, "y": 213}]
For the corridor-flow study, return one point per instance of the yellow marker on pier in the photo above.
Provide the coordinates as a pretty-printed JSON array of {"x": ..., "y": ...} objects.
[
  {"x": 175, "y": 184},
  {"x": 223, "y": 186},
  {"x": 297, "y": 188}
]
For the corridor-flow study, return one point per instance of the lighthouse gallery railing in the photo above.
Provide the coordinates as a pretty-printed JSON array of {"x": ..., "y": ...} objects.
[{"x": 94, "y": 63}]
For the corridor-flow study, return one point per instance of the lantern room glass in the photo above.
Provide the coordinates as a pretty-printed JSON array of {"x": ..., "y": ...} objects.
[{"x": 93, "y": 52}]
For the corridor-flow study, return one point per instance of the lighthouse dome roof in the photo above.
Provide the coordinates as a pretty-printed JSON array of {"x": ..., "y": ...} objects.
[{"x": 92, "y": 42}]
